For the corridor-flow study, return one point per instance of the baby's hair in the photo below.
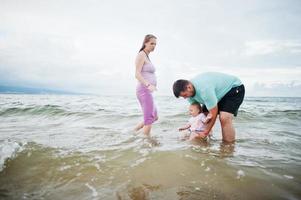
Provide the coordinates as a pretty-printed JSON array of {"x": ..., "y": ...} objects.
[
  {"x": 198, "y": 106},
  {"x": 204, "y": 108}
]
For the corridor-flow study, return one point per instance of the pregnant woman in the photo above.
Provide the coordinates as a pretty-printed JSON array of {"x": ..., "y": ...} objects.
[{"x": 145, "y": 74}]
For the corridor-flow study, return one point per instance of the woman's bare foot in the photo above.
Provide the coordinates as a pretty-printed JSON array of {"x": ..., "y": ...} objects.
[{"x": 139, "y": 126}]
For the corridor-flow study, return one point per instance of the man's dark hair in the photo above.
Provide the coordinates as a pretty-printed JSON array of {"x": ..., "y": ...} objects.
[{"x": 179, "y": 86}]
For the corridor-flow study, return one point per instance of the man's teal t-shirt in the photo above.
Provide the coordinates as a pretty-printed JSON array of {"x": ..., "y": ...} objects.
[{"x": 211, "y": 87}]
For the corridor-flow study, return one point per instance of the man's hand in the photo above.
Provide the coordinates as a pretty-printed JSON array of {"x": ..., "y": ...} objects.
[{"x": 208, "y": 118}]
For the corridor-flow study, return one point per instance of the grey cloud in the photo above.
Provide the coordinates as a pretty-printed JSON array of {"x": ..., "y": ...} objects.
[{"x": 87, "y": 44}]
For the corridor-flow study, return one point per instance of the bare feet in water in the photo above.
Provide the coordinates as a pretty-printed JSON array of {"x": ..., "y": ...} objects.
[{"x": 138, "y": 127}]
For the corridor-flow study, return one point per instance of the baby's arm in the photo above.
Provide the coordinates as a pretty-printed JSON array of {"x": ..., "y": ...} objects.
[{"x": 187, "y": 126}]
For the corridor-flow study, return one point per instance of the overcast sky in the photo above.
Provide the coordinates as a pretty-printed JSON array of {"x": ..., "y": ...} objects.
[{"x": 90, "y": 45}]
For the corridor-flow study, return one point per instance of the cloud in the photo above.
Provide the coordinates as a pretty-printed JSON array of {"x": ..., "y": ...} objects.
[
  {"x": 46, "y": 44},
  {"x": 265, "y": 47},
  {"x": 292, "y": 89},
  {"x": 45, "y": 60}
]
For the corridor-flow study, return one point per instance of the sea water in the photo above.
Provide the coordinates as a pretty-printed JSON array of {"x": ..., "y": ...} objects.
[{"x": 84, "y": 147}]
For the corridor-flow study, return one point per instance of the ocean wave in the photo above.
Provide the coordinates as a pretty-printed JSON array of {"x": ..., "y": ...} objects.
[
  {"x": 282, "y": 113},
  {"x": 49, "y": 110},
  {"x": 8, "y": 150},
  {"x": 177, "y": 115},
  {"x": 257, "y": 100},
  {"x": 287, "y": 111},
  {"x": 264, "y": 114},
  {"x": 272, "y": 99}
]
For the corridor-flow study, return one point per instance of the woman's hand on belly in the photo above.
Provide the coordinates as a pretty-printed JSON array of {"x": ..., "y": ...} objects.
[{"x": 152, "y": 88}]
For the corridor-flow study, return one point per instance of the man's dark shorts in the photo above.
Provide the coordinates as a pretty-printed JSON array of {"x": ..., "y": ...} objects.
[{"x": 232, "y": 100}]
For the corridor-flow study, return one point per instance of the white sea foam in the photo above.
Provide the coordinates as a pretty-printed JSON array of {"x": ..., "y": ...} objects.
[
  {"x": 63, "y": 168},
  {"x": 94, "y": 192},
  {"x": 240, "y": 174},
  {"x": 8, "y": 149},
  {"x": 288, "y": 176}
]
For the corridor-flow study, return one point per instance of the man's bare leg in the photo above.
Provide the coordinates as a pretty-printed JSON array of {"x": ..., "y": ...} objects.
[{"x": 228, "y": 130}]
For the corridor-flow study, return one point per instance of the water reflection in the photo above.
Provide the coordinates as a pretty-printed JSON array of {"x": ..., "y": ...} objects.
[
  {"x": 227, "y": 149},
  {"x": 209, "y": 147}
]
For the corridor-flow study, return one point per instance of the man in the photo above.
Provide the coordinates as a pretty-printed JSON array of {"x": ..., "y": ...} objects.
[{"x": 221, "y": 93}]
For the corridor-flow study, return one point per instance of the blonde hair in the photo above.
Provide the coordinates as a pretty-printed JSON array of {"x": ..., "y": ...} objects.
[{"x": 147, "y": 39}]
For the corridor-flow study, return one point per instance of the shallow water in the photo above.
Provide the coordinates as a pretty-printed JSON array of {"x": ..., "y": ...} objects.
[{"x": 83, "y": 147}]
